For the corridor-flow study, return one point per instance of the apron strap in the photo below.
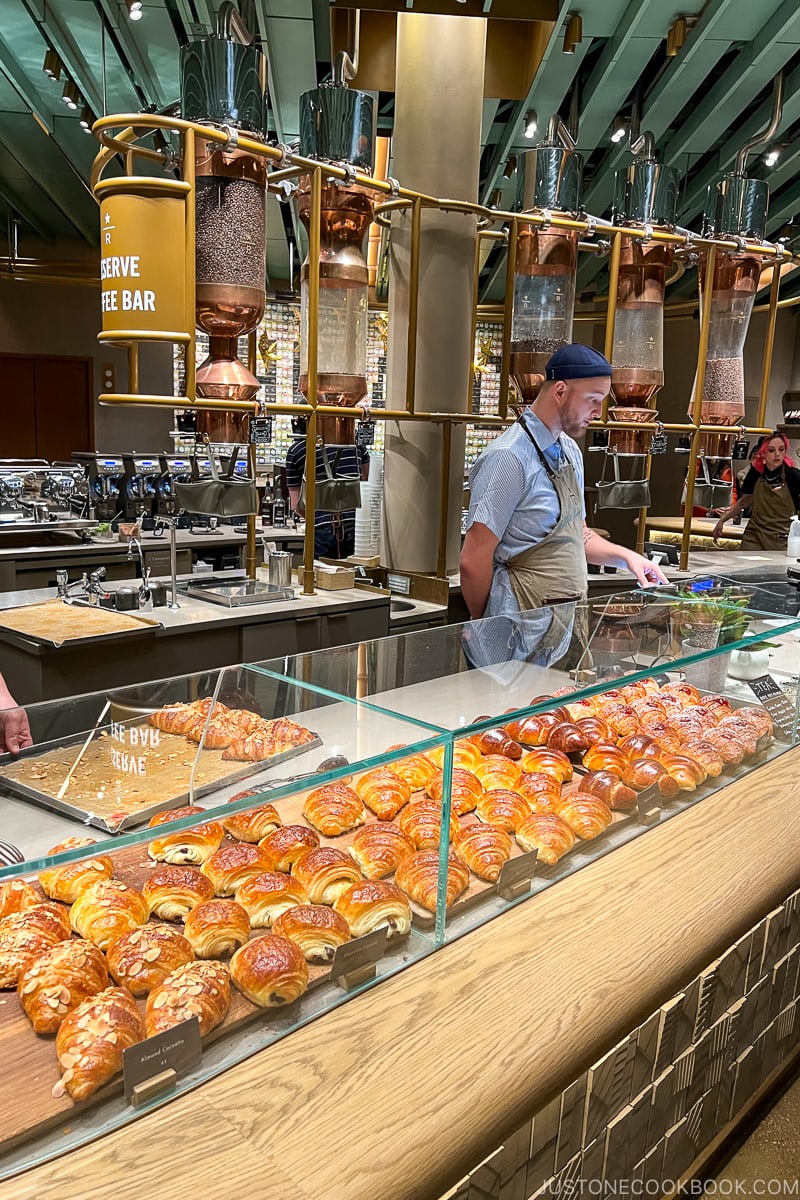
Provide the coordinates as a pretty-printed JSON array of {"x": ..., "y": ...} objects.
[{"x": 550, "y": 472}]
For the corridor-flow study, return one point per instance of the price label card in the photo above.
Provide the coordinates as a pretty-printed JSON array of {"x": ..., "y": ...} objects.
[
  {"x": 168, "y": 1055},
  {"x": 365, "y": 433},
  {"x": 260, "y": 431},
  {"x": 516, "y": 875},
  {"x": 355, "y": 961},
  {"x": 776, "y": 702},
  {"x": 398, "y": 583}
]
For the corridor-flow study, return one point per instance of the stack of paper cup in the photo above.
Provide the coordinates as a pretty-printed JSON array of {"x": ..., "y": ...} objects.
[{"x": 368, "y": 517}]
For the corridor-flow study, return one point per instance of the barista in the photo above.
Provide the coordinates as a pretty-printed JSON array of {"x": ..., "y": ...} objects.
[
  {"x": 527, "y": 542},
  {"x": 771, "y": 489},
  {"x": 15, "y": 732}
]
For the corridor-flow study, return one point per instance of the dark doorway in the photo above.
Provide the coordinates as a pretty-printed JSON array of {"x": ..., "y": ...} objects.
[{"x": 46, "y": 406}]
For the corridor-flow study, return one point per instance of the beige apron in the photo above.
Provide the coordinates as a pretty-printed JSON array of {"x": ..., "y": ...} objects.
[
  {"x": 554, "y": 570},
  {"x": 773, "y": 509}
]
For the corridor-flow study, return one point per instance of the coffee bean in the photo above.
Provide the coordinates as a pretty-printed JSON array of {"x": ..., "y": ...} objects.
[{"x": 231, "y": 232}]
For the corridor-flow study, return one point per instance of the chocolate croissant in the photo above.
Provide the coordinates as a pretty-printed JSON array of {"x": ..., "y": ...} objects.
[
  {"x": 503, "y": 808},
  {"x": 383, "y": 792},
  {"x": 92, "y": 1038},
  {"x": 270, "y": 971},
  {"x": 233, "y": 864},
  {"x": 325, "y": 873},
  {"x": 497, "y": 741},
  {"x": 548, "y": 835},
  {"x": 195, "y": 989},
  {"x": 421, "y": 822},
  {"x": 548, "y": 762},
  {"x": 484, "y": 849},
  {"x": 418, "y": 876},
  {"x": 66, "y": 882},
  {"x": 216, "y": 928},
  {"x": 16, "y": 896},
  {"x": 315, "y": 928},
  {"x": 60, "y": 979},
  {"x": 333, "y": 809},
  {"x": 267, "y": 896},
  {"x": 287, "y": 844},
  {"x": 378, "y": 849},
  {"x": 372, "y": 904},
  {"x": 541, "y": 791},
  {"x": 586, "y": 815},
  {"x": 465, "y": 788},
  {"x": 172, "y": 892},
  {"x": 103, "y": 912},
  {"x": 143, "y": 959},
  {"x": 254, "y": 824},
  {"x": 24, "y": 936},
  {"x": 188, "y": 845},
  {"x": 568, "y": 737}
]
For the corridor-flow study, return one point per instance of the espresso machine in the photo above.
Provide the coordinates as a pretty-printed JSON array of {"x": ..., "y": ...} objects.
[
  {"x": 138, "y": 491},
  {"x": 105, "y": 474},
  {"x": 173, "y": 470}
]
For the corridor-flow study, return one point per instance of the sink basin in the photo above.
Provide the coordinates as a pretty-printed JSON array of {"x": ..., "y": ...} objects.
[{"x": 398, "y": 606}]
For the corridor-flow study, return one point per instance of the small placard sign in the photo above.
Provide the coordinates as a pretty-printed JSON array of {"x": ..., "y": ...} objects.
[
  {"x": 398, "y": 583},
  {"x": 170, "y": 1054},
  {"x": 649, "y": 805},
  {"x": 355, "y": 961},
  {"x": 776, "y": 702},
  {"x": 260, "y": 431},
  {"x": 365, "y": 433},
  {"x": 516, "y": 875}
]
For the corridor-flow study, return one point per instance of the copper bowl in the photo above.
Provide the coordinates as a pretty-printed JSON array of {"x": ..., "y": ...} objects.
[{"x": 631, "y": 441}]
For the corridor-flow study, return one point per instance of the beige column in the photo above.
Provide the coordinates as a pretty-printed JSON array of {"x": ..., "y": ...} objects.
[{"x": 436, "y": 149}]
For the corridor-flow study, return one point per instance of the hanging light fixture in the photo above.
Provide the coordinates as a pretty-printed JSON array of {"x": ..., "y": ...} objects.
[
  {"x": 531, "y": 123},
  {"x": 70, "y": 95},
  {"x": 772, "y": 156},
  {"x": 573, "y": 34},
  {"x": 52, "y": 65},
  {"x": 86, "y": 119},
  {"x": 510, "y": 167},
  {"x": 676, "y": 36},
  {"x": 135, "y": 11},
  {"x": 619, "y": 129}
]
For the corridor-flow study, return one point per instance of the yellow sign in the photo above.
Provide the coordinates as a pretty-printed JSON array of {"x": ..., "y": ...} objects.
[{"x": 143, "y": 259}]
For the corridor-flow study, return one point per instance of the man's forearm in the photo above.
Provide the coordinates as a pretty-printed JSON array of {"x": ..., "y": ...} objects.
[
  {"x": 602, "y": 553},
  {"x": 476, "y": 583}
]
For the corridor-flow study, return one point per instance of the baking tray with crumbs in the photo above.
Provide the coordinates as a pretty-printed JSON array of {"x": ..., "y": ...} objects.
[{"x": 56, "y": 623}]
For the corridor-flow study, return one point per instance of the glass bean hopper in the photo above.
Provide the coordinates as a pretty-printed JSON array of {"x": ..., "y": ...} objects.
[
  {"x": 337, "y": 125},
  {"x": 223, "y": 82},
  {"x": 546, "y": 259}
]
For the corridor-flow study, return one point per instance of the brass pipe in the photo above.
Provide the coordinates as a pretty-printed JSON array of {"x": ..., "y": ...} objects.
[
  {"x": 643, "y": 511},
  {"x": 413, "y": 306},
  {"x": 133, "y": 366},
  {"x": 203, "y": 405},
  {"x": 689, "y": 502},
  {"x": 705, "y": 324},
  {"x": 473, "y": 328},
  {"x": 190, "y": 360},
  {"x": 508, "y": 313},
  {"x": 250, "y": 550},
  {"x": 444, "y": 501},
  {"x": 674, "y": 426},
  {"x": 611, "y": 306},
  {"x": 311, "y": 488},
  {"x": 769, "y": 343},
  {"x": 312, "y": 332}
]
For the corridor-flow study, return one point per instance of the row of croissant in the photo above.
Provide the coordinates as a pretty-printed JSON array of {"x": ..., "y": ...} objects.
[{"x": 243, "y": 736}]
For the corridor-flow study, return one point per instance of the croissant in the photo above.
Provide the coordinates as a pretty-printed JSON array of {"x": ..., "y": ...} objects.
[
  {"x": 418, "y": 876},
  {"x": 315, "y": 928},
  {"x": 174, "y": 718},
  {"x": 568, "y": 737},
  {"x": 686, "y": 772},
  {"x": 641, "y": 773},
  {"x": 719, "y": 705},
  {"x": 535, "y": 730},
  {"x": 622, "y": 718},
  {"x": 103, "y": 912},
  {"x": 560, "y": 713},
  {"x": 465, "y": 754},
  {"x": 707, "y": 754},
  {"x": 548, "y": 835},
  {"x": 595, "y": 730},
  {"x": 606, "y": 758},
  {"x": 465, "y": 788},
  {"x": 91, "y": 1041},
  {"x": 503, "y": 808},
  {"x": 653, "y": 706},
  {"x": 539, "y": 790},
  {"x": 189, "y": 845},
  {"x": 16, "y": 896},
  {"x": 270, "y": 970},
  {"x": 742, "y": 731},
  {"x": 252, "y": 747},
  {"x": 579, "y": 710},
  {"x": 254, "y": 824},
  {"x": 586, "y": 815},
  {"x": 660, "y": 729},
  {"x": 548, "y": 762},
  {"x": 333, "y": 809},
  {"x": 26, "y": 935},
  {"x": 194, "y": 989},
  {"x": 383, "y": 792},
  {"x": 417, "y": 769},
  {"x": 610, "y": 788},
  {"x": 265, "y": 897},
  {"x": 421, "y": 822},
  {"x": 684, "y": 692},
  {"x": 143, "y": 959},
  {"x": 497, "y": 741},
  {"x": 60, "y": 979},
  {"x": 233, "y": 864},
  {"x": 325, "y": 873},
  {"x": 378, "y": 849},
  {"x": 758, "y": 718},
  {"x": 484, "y": 849},
  {"x": 217, "y": 735},
  {"x": 687, "y": 725},
  {"x": 286, "y": 845},
  {"x": 171, "y": 892},
  {"x": 67, "y": 881},
  {"x": 637, "y": 689},
  {"x": 372, "y": 904},
  {"x": 216, "y": 927},
  {"x": 730, "y": 748},
  {"x": 672, "y": 703}
]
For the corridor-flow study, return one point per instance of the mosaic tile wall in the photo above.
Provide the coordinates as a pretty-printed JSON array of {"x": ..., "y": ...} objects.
[{"x": 278, "y": 371}]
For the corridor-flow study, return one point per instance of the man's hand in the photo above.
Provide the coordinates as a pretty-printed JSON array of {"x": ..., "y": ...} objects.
[
  {"x": 15, "y": 732},
  {"x": 648, "y": 573}
]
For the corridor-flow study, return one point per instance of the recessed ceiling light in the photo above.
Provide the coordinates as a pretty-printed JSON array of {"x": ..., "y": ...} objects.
[
  {"x": 135, "y": 12},
  {"x": 70, "y": 95},
  {"x": 573, "y": 34},
  {"x": 531, "y": 123},
  {"x": 619, "y": 129},
  {"x": 86, "y": 119},
  {"x": 52, "y": 65},
  {"x": 772, "y": 156}
]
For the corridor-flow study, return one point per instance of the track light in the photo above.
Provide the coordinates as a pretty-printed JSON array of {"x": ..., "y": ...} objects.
[
  {"x": 619, "y": 129},
  {"x": 772, "y": 156},
  {"x": 52, "y": 65},
  {"x": 86, "y": 119},
  {"x": 531, "y": 123},
  {"x": 70, "y": 95},
  {"x": 135, "y": 12},
  {"x": 676, "y": 36},
  {"x": 573, "y": 34},
  {"x": 510, "y": 167}
]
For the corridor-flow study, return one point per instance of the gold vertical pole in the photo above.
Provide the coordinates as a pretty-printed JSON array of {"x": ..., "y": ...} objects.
[
  {"x": 611, "y": 308},
  {"x": 508, "y": 309},
  {"x": 189, "y": 285},
  {"x": 361, "y": 671},
  {"x": 700, "y": 379},
  {"x": 769, "y": 344},
  {"x": 444, "y": 501},
  {"x": 250, "y": 545},
  {"x": 476, "y": 278},
  {"x": 640, "y": 528},
  {"x": 133, "y": 367},
  {"x": 413, "y": 305},
  {"x": 313, "y": 354}
]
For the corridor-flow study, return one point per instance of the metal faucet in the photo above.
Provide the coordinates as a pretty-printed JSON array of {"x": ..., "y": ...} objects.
[
  {"x": 92, "y": 584},
  {"x": 135, "y": 544}
]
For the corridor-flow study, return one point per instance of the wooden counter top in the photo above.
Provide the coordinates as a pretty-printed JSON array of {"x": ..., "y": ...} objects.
[{"x": 391, "y": 1095}]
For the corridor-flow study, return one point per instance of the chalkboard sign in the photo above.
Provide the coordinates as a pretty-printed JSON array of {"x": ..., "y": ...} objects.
[
  {"x": 260, "y": 431},
  {"x": 776, "y": 702},
  {"x": 365, "y": 433}
]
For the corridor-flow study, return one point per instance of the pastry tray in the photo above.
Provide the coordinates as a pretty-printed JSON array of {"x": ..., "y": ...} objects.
[
  {"x": 130, "y": 625},
  {"x": 117, "y": 819}
]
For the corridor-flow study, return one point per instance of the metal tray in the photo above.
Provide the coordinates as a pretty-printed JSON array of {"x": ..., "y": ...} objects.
[
  {"x": 142, "y": 815},
  {"x": 63, "y": 525},
  {"x": 238, "y": 593},
  {"x": 32, "y": 642}
]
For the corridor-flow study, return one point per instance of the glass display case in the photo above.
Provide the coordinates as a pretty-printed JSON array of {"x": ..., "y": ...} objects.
[{"x": 268, "y": 838}]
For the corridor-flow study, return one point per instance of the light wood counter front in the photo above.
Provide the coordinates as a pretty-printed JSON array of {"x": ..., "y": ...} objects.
[{"x": 393, "y": 1094}]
